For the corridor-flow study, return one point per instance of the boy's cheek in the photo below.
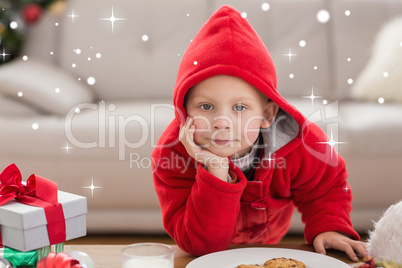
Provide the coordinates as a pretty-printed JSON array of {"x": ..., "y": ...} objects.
[
  {"x": 199, "y": 140},
  {"x": 251, "y": 138},
  {"x": 251, "y": 135},
  {"x": 202, "y": 125},
  {"x": 202, "y": 129}
]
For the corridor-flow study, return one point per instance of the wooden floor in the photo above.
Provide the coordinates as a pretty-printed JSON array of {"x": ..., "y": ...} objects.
[{"x": 132, "y": 238}]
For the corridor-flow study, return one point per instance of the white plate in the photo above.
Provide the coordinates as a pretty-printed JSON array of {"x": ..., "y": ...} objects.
[{"x": 233, "y": 257}]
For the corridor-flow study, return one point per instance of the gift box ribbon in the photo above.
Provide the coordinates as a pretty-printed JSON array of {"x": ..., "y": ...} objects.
[
  {"x": 59, "y": 260},
  {"x": 38, "y": 192}
]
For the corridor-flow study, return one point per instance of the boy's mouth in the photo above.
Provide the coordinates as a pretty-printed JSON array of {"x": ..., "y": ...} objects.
[{"x": 221, "y": 142}]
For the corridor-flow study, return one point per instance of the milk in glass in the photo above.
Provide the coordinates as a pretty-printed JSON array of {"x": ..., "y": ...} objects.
[{"x": 148, "y": 263}]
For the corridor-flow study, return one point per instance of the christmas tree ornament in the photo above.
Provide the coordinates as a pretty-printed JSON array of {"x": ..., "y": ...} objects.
[
  {"x": 57, "y": 8},
  {"x": 32, "y": 13}
]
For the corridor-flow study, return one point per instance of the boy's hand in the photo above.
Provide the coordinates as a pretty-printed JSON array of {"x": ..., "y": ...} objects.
[
  {"x": 339, "y": 242},
  {"x": 216, "y": 165}
]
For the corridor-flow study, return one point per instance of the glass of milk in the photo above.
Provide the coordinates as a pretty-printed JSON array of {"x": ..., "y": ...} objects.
[{"x": 147, "y": 255}]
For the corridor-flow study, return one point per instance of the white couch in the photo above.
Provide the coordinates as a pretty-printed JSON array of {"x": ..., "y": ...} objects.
[{"x": 109, "y": 142}]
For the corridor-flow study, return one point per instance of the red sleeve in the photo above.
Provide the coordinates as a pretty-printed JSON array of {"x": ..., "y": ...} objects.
[
  {"x": 320, "y": 189},
  {"x": 199, "y": 210}
]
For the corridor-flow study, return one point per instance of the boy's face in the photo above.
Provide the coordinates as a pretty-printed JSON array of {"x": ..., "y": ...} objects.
[{"x": 228, "y": 114}]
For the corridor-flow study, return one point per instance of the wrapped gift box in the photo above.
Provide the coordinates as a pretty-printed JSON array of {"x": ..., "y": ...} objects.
[
  {"x": 28, "y": 259},
  {"x": 24, "y": 227}
]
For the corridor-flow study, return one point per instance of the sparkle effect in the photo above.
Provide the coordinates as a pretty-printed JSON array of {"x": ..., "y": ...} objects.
[
  {"x": 312, "y": 97},
  {"x": 92, "y": 187},
  {"x": 67, "y": 148},
  {"x": 347, "y": 188},
  {"x": 112, "y": 19},
  {"x": 332, "y": 143},
  {"x": 13, "y": 25},
  {"x": 91, "y": 81},
  {"x": 72, "y": 16},
  {"x": 270, "y": 159},
  {"x": 323, "y": 16},
  {"x": 4, "y": 54},
  {"x": 290, "y": 55},
  {"x": 265, "y": 6}
]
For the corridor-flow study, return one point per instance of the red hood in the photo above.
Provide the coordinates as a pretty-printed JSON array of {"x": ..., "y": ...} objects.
[{"x": 227, "y": 44}]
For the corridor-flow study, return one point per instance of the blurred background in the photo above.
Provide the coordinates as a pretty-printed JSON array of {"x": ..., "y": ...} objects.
[{"x": 86, "y": 90}]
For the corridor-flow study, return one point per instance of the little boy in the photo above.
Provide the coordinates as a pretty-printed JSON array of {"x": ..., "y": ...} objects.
[{"x": 250, "y": 152}]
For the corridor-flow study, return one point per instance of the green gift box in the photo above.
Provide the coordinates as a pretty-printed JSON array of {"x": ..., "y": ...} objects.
[{"x": 28, "y": 259}]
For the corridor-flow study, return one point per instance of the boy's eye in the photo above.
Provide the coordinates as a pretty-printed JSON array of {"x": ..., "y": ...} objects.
[
  {"x": 239, "y": 108},
  {"x": 206, "y": 106}
]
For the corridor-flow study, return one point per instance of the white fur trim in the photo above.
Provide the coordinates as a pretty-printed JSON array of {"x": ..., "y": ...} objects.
[{"x": 385, "y": 241}]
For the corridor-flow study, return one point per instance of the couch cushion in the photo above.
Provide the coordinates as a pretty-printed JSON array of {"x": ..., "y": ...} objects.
[
  {"x": 129, "y": 67},
  {"x": 100, "y": 131},
  {"x": 41, "y": 38},
  {"x": 370, "y": 129},
  {"x": 276, "y": 27},
  {"x": 354, "y": 35},
  {"x": 12, "y": 107},
  {"x": 364, "y": 129},
  {"x": 44, "y": 86}
]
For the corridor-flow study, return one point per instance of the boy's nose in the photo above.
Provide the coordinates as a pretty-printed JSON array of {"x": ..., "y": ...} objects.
[{"x": 222, "y": 123}]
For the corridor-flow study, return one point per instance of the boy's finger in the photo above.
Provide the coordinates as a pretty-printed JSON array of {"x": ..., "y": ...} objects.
[
  {"x": 319, "y": 246},
  {"x": 182, "y": 133},
  {"x": 184, "y": 128},
  {"x": 190, "y": 122},
  {"x": 190, "y": 136},
  {"x": 351, "y": 253},
  {"x": 361, "y": 249}
]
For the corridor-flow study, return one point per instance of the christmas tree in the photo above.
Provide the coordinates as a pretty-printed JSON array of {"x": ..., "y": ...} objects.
[{"x": 15, "y": 17}]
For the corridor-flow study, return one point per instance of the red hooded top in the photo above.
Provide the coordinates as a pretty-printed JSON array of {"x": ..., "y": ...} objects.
[{"x": 204, "y": 214}]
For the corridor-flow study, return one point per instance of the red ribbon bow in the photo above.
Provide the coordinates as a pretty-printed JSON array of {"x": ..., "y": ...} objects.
[
  {"x": 38, "y": 192},
  {"x": 58, "y": 260}
]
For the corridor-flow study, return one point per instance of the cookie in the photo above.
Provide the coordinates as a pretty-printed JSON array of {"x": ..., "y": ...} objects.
[
  {"x": 283, "y": 263},
  {"x": 249, "y": 266}
]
